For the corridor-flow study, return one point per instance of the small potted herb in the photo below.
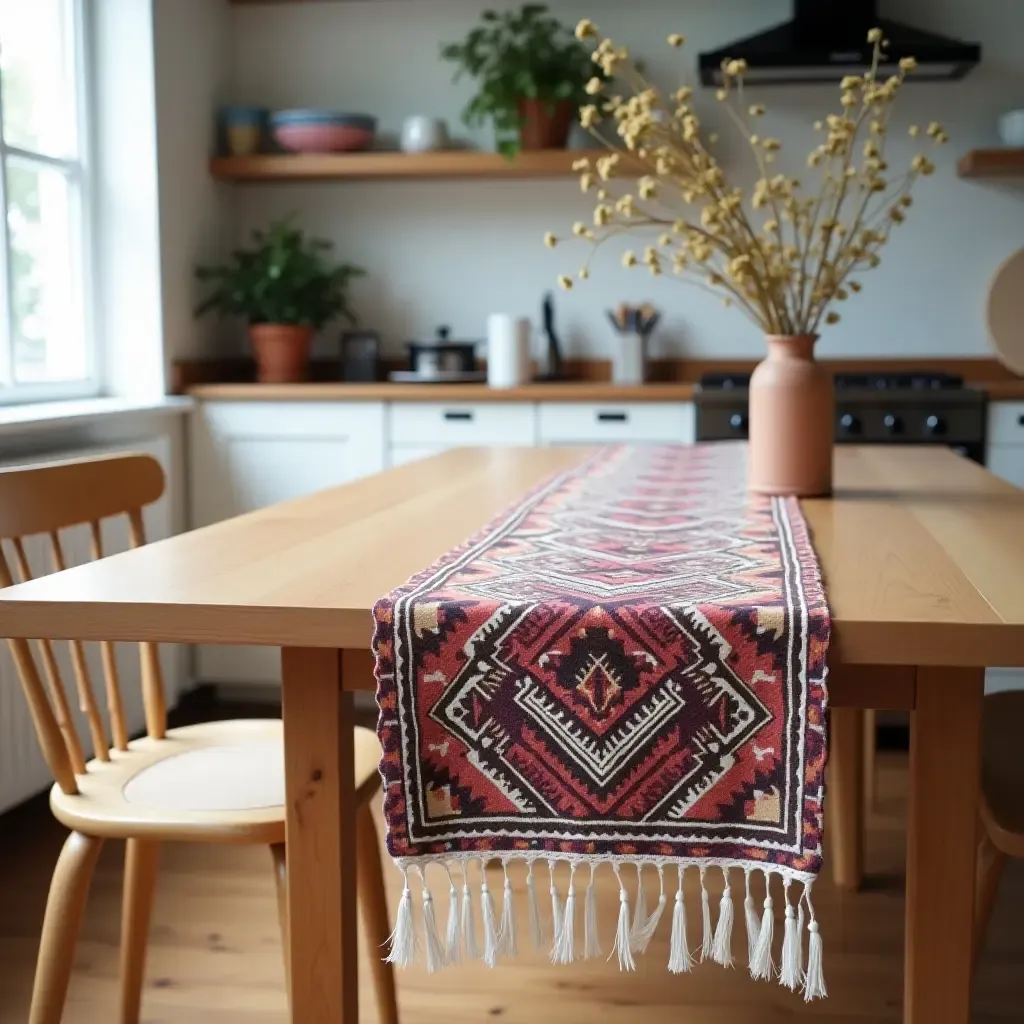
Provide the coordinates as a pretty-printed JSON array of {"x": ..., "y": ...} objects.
[
  {"x": 532, "y": 74},
  {"x": 286, "y": 286}
]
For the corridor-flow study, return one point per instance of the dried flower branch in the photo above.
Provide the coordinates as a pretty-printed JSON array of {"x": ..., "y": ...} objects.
[{"x": 783, "y": 258}]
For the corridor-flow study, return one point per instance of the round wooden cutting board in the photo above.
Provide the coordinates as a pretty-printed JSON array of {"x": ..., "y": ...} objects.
[{"x": 1005, "y": 312}]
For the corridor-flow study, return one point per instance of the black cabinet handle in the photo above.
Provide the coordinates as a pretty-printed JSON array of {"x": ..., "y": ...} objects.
[
  {"x": 1020, "y": 421},
  {"x": 464, "y": 416},
  {"x": 613, "y": 417}
]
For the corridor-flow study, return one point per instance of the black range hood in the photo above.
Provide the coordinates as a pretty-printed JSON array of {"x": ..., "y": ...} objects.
[{"x": 826, "y": 40}]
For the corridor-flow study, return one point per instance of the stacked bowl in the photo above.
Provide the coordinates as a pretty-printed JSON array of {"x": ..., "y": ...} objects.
[{"x": 321, "y": 131}]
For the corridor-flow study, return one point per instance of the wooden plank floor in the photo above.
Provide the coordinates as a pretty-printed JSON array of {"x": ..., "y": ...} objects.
[{"x": 215, "y": 950}]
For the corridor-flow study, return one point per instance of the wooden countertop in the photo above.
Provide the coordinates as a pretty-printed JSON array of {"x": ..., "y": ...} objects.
[
  {"x": 567, "y": 391},
  {"x": 921, "y": 551}
]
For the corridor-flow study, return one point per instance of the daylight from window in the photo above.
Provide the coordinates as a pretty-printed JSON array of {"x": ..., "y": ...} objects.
[{"x": 43, "y": 335}]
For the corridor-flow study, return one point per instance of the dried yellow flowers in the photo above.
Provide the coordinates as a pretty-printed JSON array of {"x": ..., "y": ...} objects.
[{"x": 781, "y": 257}]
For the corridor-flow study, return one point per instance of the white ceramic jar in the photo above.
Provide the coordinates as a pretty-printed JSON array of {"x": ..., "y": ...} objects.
[{"x": 422, "y": 134}]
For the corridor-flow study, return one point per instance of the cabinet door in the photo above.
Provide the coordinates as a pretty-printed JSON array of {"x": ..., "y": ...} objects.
[
  {"x": 247, "y": 455},
  {"x": 1007, "y": 461},
  {"x": 616, "y": 422}
]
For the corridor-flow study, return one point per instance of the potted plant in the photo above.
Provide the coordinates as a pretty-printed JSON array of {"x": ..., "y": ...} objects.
[
  {"x": 287, "y": 287},
  {"x": 532, "y": 73}
]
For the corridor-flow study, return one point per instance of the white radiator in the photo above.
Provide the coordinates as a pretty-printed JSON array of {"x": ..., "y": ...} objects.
[{"x": 23, "y": 771}]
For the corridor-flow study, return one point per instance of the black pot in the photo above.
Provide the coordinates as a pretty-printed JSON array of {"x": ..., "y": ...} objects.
[{"x": 441, "y": 357}]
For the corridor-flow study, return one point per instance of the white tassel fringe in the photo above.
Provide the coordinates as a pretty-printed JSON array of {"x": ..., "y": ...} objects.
[
  {"x": 403, "y": 939},
  {"x": 621, "y": 947},
  {"x": 507, "y": 942},
  {"x": 633, "y": 931},
  {"x": 679, "y": 959},
  {"x": 722, "y": 946},
  {"x": 707, "y": 941},
  {"x": 489, "y": 919},
  {"x": 814, "y": 979},
  {"x": 431, "y": 942}
]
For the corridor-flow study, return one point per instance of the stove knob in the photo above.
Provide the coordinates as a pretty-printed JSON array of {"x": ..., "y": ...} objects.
[
  {"x": 738, "y": 422},
  {"x": 935, "y": 425},
  {"x": 893, "y": 424},
  {"x": 849, "y": 424}
]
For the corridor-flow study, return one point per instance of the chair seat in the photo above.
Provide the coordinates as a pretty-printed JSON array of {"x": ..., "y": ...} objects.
[
  {"x": 213, "y": 782},
  {"x": 1002, "y": 777}
]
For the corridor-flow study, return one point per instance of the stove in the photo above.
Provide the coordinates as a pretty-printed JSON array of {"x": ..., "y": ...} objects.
[{"x": 871, "y": 408}]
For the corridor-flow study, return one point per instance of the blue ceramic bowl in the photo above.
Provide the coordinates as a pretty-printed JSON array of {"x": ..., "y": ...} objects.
[{"x": 312, "y": 116}]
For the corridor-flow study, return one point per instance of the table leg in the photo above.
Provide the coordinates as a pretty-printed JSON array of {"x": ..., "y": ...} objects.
[
  {"x": 945, "y": 752},
  {"x": 844, "y": 811},
  {"x": 321, "y": 832}
]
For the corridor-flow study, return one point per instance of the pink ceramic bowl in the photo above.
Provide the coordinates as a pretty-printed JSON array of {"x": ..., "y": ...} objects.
[{"x": 321, "y": 138}]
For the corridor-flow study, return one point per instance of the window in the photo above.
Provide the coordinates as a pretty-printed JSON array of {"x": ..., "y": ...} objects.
[{"x": 46, "y": 348}]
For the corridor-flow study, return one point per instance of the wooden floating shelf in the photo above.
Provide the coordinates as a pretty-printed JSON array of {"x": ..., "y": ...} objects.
[
  {"x": 552, "y": 163},
  {"x": 992, "y": 163}
]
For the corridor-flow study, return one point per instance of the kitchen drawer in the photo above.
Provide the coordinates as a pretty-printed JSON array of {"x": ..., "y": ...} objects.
[
  {"x": 462, "y": 423},
  {"x": 1006, "y": 423},
  {"x": 598, "y": 423}
]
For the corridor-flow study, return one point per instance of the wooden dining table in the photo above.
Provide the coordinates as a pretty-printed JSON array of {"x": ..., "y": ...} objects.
[{"x": 922, "y": 554}]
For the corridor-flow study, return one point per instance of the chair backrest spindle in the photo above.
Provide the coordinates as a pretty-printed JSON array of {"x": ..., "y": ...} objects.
[
  {"x": 115, "y": 705},
  {"x": 55, "y": 687},
  {"x": 44, "y": 500},
  {"x": 86, "y": 698}
]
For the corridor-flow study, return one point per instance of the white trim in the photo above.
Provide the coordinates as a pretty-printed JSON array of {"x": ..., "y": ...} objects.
[{"x": 32, "y": 418}]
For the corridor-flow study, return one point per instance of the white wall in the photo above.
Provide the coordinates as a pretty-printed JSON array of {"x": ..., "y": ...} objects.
[
  {"x": 190, "y": 47},
  {"x": 127, "y": 291},
  {"x": 452, "y": 252}
]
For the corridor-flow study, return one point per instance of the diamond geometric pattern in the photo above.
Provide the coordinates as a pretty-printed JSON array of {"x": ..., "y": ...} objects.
[{"x": 629, "y": 662}]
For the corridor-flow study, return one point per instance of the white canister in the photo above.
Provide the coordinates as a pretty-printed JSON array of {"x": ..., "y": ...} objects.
[
  {"x": 423, "y": 134},
  {"x": 508, "y": 350},
  {"x": 629, "y": 359}
]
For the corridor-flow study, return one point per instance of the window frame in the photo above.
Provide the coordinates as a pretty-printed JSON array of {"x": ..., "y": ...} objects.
[{"x": 79, "y": 173}]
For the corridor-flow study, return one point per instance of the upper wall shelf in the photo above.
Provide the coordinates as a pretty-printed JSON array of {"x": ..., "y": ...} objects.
[
  {"x": 992, "y": 163},
  {"x": 553, "y": 163}
]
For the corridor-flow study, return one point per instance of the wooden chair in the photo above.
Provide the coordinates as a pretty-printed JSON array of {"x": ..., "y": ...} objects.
[
  {"x": 220, "y": 782},
  {"x": 1001, "y": 831}
]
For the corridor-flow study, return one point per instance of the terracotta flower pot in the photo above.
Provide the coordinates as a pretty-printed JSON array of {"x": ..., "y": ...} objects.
[
  {"x": 544, "y": 126},
  {"x": 792, "y": 409},
  {"x": 282, "y": 352}
]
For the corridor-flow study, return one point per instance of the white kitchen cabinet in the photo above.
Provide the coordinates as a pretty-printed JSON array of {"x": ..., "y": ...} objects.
[
  {"x": 246, "y": 455},
  {"x": 616, "y": 422},
  {"x": 1004, "y": 456},
  {"x": 419, "y": 429}
]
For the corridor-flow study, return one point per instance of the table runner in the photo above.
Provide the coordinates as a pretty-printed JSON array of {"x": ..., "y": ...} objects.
[{"x": 623, "y": 672}]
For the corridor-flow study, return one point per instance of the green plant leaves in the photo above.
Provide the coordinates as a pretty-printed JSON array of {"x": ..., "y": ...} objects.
[
  {"x": 515, "y": 55},
  {"x": 285, "y": 278}
]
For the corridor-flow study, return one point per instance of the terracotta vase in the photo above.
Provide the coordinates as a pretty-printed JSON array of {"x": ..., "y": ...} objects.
[
  {"x": 543, "y": 125},
  {"x": 282, "y": 352},
  {"x": 791, "y": 420}
]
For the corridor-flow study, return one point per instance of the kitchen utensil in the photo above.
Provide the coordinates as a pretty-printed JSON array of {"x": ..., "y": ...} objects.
[
  {"x": 508, "y": 350},
  {"x": 360, "y": 356},
  {"x": 1004, "y": 312},
  {"x": 1011, "y": 128},
  {"x": 243, "y": 129},
  {"x": 427, "y": 359},
  {"x": 555, "y": 370},
  {"x": 423, "y": 134},
  {"x": 321, "y": 131},
  {"x": 634, "y": 324}
]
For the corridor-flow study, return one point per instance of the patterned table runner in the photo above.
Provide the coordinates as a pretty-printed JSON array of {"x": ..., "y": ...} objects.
[{"x": 625, "y": 672}]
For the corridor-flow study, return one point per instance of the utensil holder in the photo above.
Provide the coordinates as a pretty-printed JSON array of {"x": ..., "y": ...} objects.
[{"x": 629, "y": 359}]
